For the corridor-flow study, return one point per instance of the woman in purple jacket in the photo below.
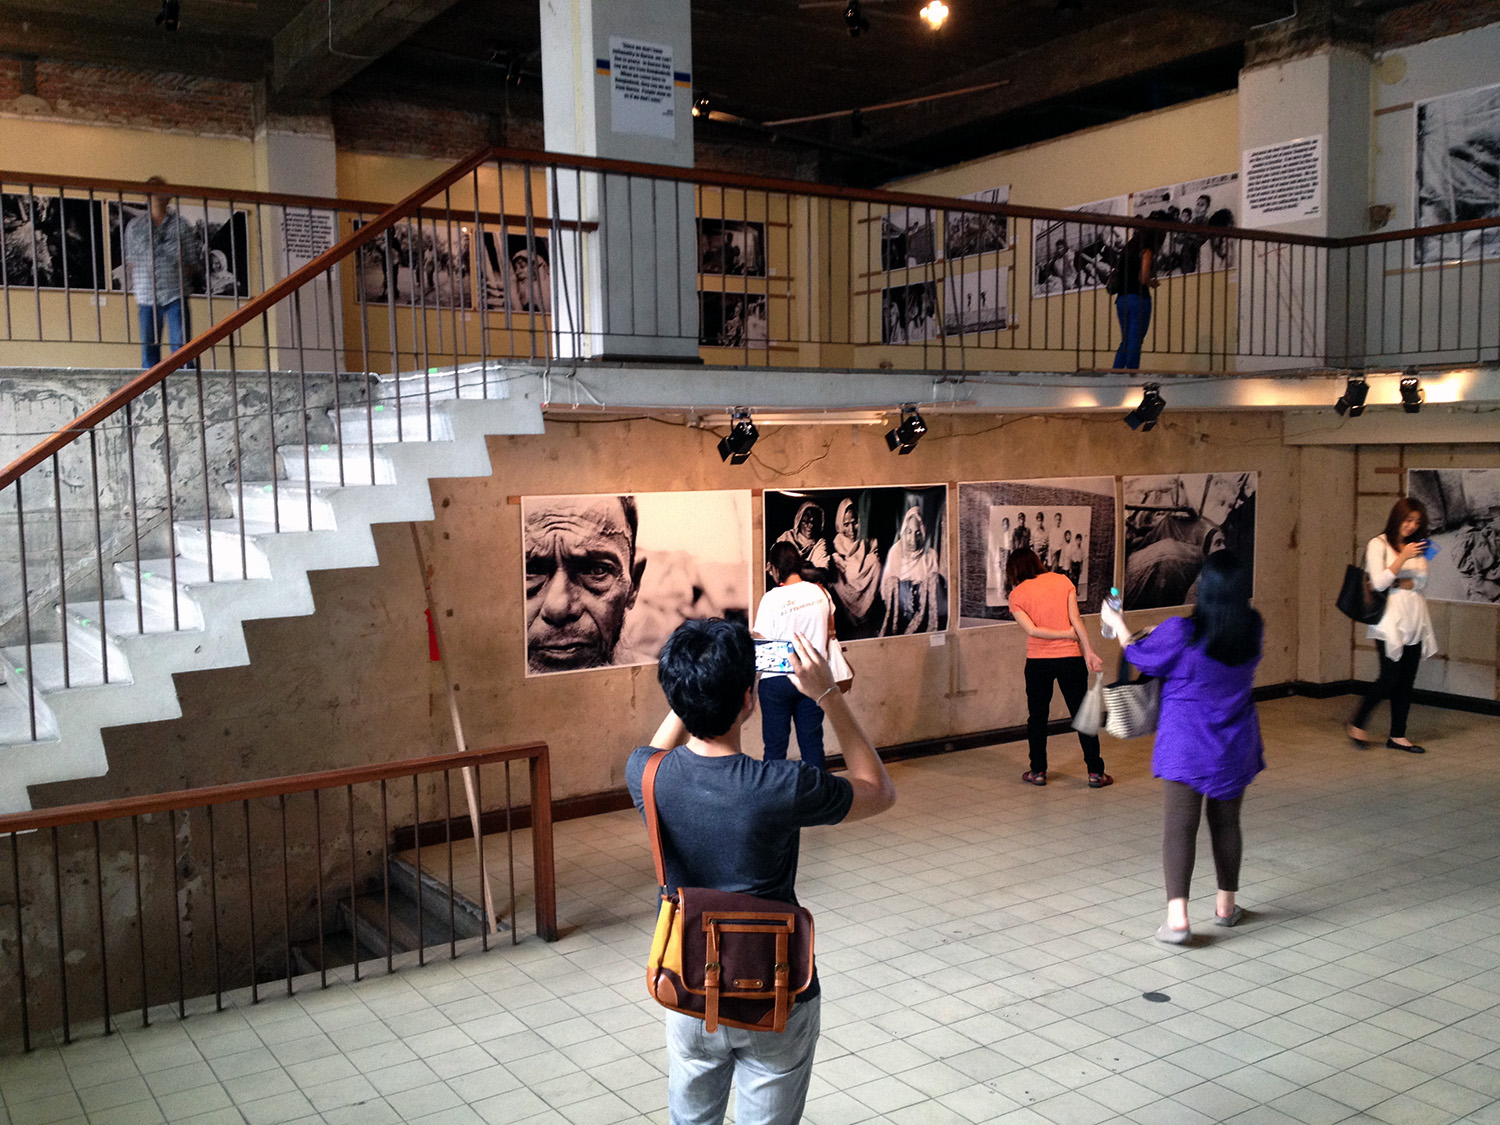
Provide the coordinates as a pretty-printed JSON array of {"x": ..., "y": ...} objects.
[{"x": 1208, "y": 743}]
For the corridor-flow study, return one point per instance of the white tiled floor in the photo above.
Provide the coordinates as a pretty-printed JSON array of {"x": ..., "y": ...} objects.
[{"x": 985, "y": 950}]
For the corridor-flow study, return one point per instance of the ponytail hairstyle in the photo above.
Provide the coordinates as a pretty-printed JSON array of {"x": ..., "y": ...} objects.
[{"x": 1224, "y": 624}]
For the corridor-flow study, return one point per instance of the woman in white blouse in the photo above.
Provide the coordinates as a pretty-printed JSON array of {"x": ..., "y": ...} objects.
[{"x": 1396, "y": 562}]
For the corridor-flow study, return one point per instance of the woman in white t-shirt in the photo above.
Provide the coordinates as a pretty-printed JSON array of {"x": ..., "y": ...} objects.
[
  {"x": 1395, "y": 562},
  {"x": 794, "y": 606}
]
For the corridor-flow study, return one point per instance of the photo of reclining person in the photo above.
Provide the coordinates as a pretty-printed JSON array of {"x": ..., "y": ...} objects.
[{"x": 1174, "y": 522}]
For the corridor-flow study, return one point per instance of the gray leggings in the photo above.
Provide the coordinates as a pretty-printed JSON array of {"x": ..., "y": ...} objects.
[{"x": 1179, "y": 840}]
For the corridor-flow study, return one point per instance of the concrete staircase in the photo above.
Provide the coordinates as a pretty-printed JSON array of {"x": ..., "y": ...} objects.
[{"x": 184, "y": 612}]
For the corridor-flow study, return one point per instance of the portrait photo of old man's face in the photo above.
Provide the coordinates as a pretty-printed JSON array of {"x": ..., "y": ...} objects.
[{"x": 582, "y": 576}]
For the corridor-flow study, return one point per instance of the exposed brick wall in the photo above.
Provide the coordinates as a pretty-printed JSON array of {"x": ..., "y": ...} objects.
[
  {"x": 1418, "y": 22},
  {"x": 367, "y": 124},
  {"x": 137, "y": 99}
]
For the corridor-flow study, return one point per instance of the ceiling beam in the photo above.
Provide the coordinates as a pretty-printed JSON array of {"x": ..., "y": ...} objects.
[
  {"x": 137, "y": 44},
  {"x": 328, "y": 42}
]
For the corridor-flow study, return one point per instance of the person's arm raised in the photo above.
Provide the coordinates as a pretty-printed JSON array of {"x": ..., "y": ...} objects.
[
  {"x": 670, "y": 735},
  {"x": 874, "y": 792}
]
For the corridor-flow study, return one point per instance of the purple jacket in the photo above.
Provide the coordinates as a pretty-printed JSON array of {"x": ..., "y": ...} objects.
[{"x": 1208, "y": 736}]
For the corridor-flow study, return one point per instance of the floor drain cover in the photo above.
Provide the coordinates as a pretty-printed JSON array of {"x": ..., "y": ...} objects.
[{"x": 1155, "y": 997}]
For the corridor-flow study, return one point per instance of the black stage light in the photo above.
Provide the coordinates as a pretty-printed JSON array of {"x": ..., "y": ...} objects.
[
  {"x": 854, "y": 20},
  {"x": 170, "y": 14},
  {"x": 903, "y": 439},
  {"x": 741, "y": 440},
  {"x": 1352, "y": 401},
  {"x": 1412, "y": 394},
  {"x": 1144, "y": 416}
]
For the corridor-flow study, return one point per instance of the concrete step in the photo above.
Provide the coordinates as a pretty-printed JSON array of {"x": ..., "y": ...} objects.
[
  {"x": 432, "y": 892},
  {"x": 359, "y": 463},
  {"x": 85, "y": 633},
  {"x": 384, "y": 423},
  {"x": 284, "y": 505},
  {"x": 15, "y": 718},
  {"x": 156, "y": 581},
  {"x": 235, "y": 546},
  {"x": 51, "y": 670}
]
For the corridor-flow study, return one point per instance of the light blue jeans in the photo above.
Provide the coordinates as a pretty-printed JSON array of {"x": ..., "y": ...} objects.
[{"x": 770, "y": 1071}]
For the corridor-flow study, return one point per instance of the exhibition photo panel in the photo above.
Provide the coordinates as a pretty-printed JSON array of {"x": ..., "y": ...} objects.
[
  {"x": 1457, "y": 142},
  {"x": 1212, "y": 202},
  {"x": 1173, "y": 521},
  {"x": 1071, "y": 257},
  {"x": 1071, "y": 519},
  {"x": 1463, "y": 524},
  {"x": 608, "y": 577},
  {"x": 878, "y": 552}
]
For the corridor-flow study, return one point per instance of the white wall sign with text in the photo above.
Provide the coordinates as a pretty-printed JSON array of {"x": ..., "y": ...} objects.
[
  {"x": 641, "y": 90},
  {"x": 1283, "y": 182}
]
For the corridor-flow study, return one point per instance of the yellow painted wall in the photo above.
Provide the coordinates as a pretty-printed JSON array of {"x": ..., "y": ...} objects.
[{"x": 111, "y": 152}]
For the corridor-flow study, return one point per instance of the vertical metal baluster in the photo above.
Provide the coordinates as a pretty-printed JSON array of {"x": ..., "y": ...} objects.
[
  {"x": 62, "y": 945},
  {"x": 388, "y": 245},
  {"x": 448, "y": 841},
  {"x": 250, "y": 904},
  {"x": 317, "y": 795},
  {"x": 62, "y": 573},
  {"x": 239, "y": 474},
  {"x": 286, "y": 894},
  {"x": 416, "y": 819},
  {"x": 265, "y": 321},
  {"x": 353, "y": 891},
  {"x": 103, "y": 930},
  {"x": 531, "y": 311},
  {"x": 176, "y": 915},
  {"x": 15, "y": 880},
  {"x": 25, "y": 605},
  {"x": 62, "y": 240},
  {"x": 489, "y": 913},
  {"x": 302, "y": 392},
  {"x": 166, "y": 460},
  {"x": 140, "y": 920},
  {"x": 577, "y": 317},
  {"x": 213, "y": 893},
  {"x": 385, "y": 868},
  {"x": 510, "y": 856},
  {"x": 208, "y": 503},
  {"x": 96, "y": 238},
  {"x": 335, "y": 357},
  {"x": 98, "y": 549}
]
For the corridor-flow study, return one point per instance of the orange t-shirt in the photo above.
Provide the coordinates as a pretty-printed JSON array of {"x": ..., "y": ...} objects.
[{"x": 1045, "y": 600}]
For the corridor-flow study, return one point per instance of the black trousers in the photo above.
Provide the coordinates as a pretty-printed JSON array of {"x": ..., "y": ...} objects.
[
  {"x": 1072, "y": 675},
  {"x": 1182, "y": 807},
  {"x": 1394, "y": 683}
]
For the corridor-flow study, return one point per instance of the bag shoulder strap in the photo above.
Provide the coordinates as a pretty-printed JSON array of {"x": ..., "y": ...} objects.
[{"x": 648, "y": 806}]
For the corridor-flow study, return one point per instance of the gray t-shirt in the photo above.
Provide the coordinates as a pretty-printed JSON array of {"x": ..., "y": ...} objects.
[{"x": 169, "y": 246}]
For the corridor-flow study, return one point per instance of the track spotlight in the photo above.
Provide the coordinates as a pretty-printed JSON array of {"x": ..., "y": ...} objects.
[
  {"x": 1352, "y": 401},
  {"x": 854, "y": 20},
  {"x": 935, "y": 14},
  {"x": 903, "y": 439},
  {"x": 701, "y": 105},
  {"x": 1412, "y": 394},
  {"x": 741, "y": 440},
  {"x": 170, "y": 14},
  {"x": 1144, "y": 416}
]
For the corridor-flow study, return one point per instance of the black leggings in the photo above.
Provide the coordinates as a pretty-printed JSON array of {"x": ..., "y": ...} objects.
[
  {"x": 1072, "y": 675},
  {"x": 1394, "y": 683},
  {"x": 1179, "y": 838}
]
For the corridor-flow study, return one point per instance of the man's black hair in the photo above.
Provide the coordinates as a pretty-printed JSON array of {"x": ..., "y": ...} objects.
[
  {"x": 705, "y": 669},
  {"x": 785, "y": 560}
]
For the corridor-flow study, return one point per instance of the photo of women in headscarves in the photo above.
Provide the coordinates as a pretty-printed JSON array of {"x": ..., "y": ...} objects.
[{"x": 879, "y": 552}]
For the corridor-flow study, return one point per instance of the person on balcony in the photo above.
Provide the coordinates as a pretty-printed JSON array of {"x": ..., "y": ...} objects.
[
  {"x": 1133, "y": 304},
  {"x": 162, "y": 259}
]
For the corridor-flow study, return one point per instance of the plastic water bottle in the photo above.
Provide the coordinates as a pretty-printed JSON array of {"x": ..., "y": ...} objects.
[{"x": 1114, "y": 602}]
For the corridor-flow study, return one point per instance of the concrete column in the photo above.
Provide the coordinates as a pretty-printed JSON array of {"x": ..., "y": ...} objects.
[
  {"x": 636, "y": 297},
  {"x": 297, "y": 156}
]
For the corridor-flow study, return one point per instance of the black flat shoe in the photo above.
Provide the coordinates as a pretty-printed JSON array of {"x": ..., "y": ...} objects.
[{"x": 1410, "y": 748}]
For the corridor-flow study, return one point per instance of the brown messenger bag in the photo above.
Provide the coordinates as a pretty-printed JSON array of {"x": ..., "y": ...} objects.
[{"x": 724, "y": 956}]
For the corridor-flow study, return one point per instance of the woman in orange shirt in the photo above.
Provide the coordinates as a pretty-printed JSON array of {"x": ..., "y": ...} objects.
[{"x": 1045, "y": 605}]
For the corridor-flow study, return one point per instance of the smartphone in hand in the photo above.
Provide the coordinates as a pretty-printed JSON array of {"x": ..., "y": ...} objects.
[
  {"x": 1429, "y": 549},
  {"x": 773, "y": 656}
]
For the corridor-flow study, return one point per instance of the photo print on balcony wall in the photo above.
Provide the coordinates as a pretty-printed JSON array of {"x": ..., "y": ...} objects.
[
  {"x": 977, "y": 301},
  {"x": 1070, "y": 520},
  {"x": 1210, "y": 202},
  {"x": 52, "y": 242},
  {"x": 215, "y": 247},
  {"x": 731, "y": 248},
  {"x": 1175, "y": 520},
  {"x": 1463, "y": 522},
  {"x": 417, "y": 262},
  {"x": 606, "y": 578},
  {"x": 909, "y": 237},
  {"x": 520, "y": 278},
  {"x": 1458, "y": 173},
  {"x": 733, "y": 320},
  {"x": 877, "y": 551},
  {"x": 967, "y": 233},
  {"x": 1071, "y": 257},
  {"x": 908, "y": 313}
]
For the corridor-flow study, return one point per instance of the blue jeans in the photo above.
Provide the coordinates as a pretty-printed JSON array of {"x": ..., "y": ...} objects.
[
  {"x": 770, "y": 1071},
  {"x": 152, "y": 318},
  {"x": 780, "y": 705},
  {"x": 1134, "y": 311}
]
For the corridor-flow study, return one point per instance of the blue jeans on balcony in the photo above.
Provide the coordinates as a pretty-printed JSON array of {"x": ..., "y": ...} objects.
[
  {"x": 1134, "y": 311},
  {"x": 174, "y": 316}
]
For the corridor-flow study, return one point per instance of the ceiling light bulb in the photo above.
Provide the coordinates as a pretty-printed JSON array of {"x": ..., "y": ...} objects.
[{"x": 935, "y": 14}]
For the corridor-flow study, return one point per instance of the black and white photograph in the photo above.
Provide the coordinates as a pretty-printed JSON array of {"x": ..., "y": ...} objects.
[
  {"x": 1213, "y": 201},
  {"x": 976, "y": 302},
  {"x": 909, "y": 237},
  {"x": 1458, "y": 173},
  {"x": 1463, "y": 523},
  {"x": 420, "y": 263},
  {"x": 52, "y": 242},
  {"x": 608, "y": 577},
  {"x": 219, "y": 254},
  {"x": 1173, "y": 522},
  {"x": 733, "y": 320},
  {"x": 732, "y": 247},
  {"x": 967, "y": 233},
  {"x": 519, "y": 279},
  {"x": 908, "y": 313},
  {"x": 1071, "y": 257},
  {"x": 1069, "y": 522},
  {"x": 877, "y": 551}
]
